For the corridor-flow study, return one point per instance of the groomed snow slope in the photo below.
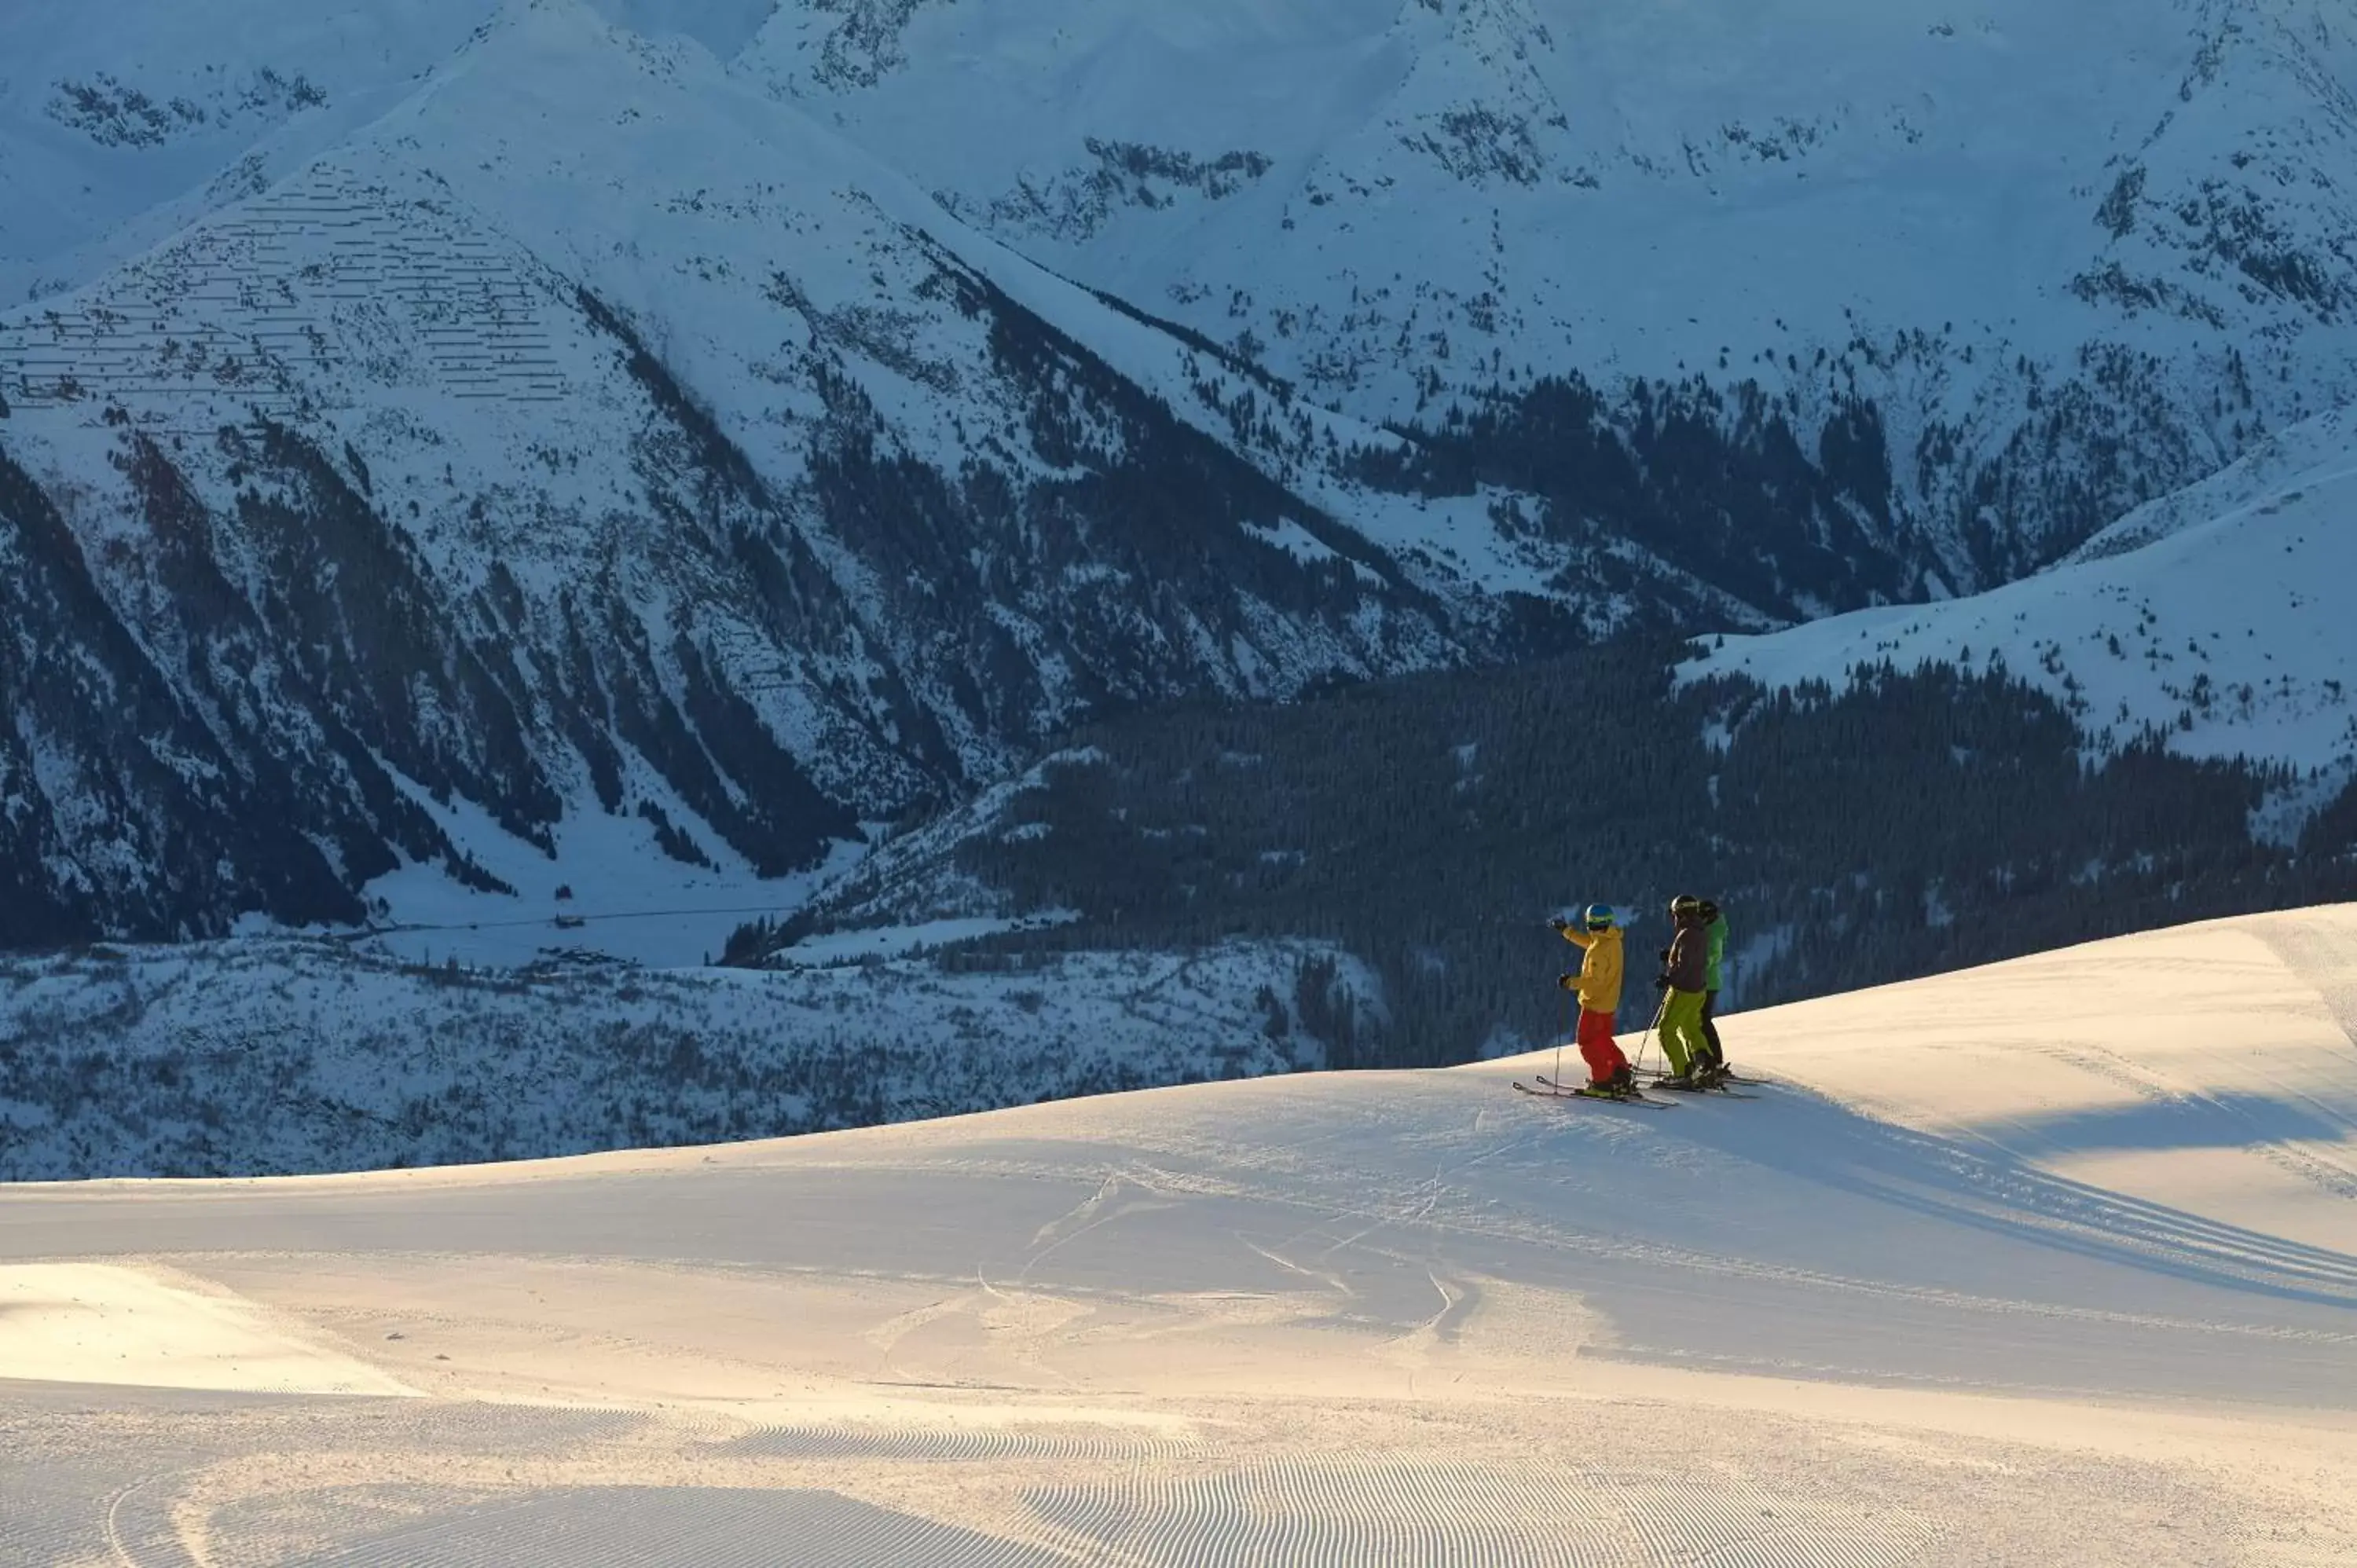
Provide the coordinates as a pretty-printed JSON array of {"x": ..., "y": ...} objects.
[
  {"x": 2051, "y": 1262},
  {"x": 2219, "y": 614}
]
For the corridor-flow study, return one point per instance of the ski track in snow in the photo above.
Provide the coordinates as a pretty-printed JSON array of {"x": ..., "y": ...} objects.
[
  {"x": 1221, "y": 1508},
  {"x": 621, "y": 1526}
]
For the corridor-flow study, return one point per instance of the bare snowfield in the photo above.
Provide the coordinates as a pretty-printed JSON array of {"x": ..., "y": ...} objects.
[{"x": 2054, "y": 1262}]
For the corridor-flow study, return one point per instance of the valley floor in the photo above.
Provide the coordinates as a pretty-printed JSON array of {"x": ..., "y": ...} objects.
[{"x": 2052, "y": 1261}]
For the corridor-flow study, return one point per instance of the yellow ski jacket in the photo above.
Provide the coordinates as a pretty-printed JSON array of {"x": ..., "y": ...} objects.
[{"x": 1599, "y": 971}]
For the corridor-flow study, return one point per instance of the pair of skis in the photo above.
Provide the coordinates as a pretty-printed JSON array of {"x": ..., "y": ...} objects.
[
  {"x": 1718, "y": 1086},
  {"x": 1548, "y": 1088}
]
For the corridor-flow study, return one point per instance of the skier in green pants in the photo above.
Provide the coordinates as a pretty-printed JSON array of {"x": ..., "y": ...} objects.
[{"x": 1686, "y": 975}]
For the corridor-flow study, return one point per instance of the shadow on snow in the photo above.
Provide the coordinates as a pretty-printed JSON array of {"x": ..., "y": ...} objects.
[{"x": 1992, "y": 1188}]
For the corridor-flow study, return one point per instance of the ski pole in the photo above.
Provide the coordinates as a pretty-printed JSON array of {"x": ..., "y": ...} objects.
[
  {"x": 1645, "y": 1045},
  {"x": 1558, "y": 1045}
]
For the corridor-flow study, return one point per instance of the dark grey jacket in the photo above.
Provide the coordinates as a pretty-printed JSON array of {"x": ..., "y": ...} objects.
[{"x": 1689, "y": 965}]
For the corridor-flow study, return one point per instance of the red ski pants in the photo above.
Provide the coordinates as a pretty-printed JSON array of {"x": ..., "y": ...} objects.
[{"x": 1597, "y": 1047}]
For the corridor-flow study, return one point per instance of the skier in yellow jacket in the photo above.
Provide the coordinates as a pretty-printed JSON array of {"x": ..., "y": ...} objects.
[{"x": 1598, "y": 985}]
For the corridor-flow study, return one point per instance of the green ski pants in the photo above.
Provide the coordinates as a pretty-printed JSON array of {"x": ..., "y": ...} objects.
[{"x": 1682, "y": 1038}]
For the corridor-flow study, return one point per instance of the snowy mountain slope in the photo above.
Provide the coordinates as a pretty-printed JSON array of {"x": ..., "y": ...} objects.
[
  {"x": 1452, "y": 541},
  {"x": 2069, "y": 255},
  {"x": 2312, "y": 452},
  {"x": 706, "y": 483},
  {"x": 2217, "y": 618},
  {"x": 2058, "y": 1252},
  {"x": 276, "y": 1056},
  {"x": 113, "y": 137},
  {"x": 546, "y": 415},
  {"x": 118, "y": 137}
]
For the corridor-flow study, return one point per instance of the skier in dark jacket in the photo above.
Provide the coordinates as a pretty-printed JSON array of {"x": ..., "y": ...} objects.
[{"x": 1686, "y": 976}]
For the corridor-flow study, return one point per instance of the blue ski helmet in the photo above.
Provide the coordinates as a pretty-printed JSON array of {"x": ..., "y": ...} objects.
[{"x": 1599, "y": 916}]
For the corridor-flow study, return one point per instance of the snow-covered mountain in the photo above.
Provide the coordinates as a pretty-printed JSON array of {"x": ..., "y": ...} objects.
[
  {"x": 2069, "y": 255},
  {"x": 590, "y": 434},
  {"x": 563, "y": 445},
  {"x": 2217, "y": 618}
]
